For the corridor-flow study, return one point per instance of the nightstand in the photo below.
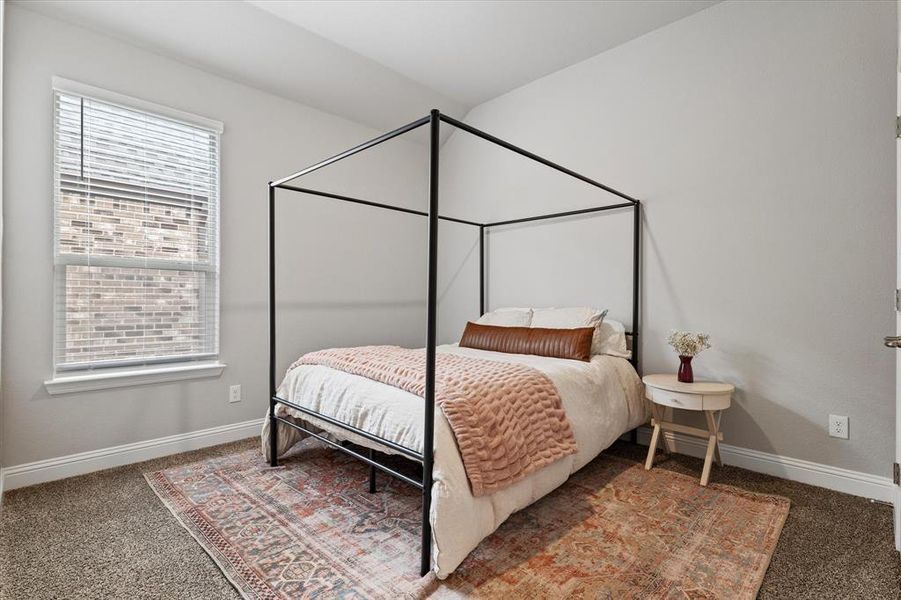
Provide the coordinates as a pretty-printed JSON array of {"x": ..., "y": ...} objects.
[{"x": 709, "y": 397}]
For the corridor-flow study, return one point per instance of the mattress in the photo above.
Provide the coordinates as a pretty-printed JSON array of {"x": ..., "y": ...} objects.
[{"x": 602, "y": 399}]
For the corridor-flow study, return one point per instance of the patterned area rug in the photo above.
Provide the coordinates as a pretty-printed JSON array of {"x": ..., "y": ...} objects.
[{"x": 309, "y": 528}]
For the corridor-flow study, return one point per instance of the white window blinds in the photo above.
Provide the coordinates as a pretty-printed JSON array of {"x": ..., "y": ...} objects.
[{"x": 136, "y": 251}]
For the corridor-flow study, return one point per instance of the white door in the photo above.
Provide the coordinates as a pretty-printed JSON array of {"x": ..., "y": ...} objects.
[{"x": 895, "y": 342}]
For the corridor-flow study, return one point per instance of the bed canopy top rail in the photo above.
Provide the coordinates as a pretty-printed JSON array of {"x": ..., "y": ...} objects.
[
  {"x": 364, "y": 146},
  {"x": 426, "y": 457},
  {"x": 410, "y": 211},
  {"x": 505, "y": 144},
  {"x": 559, "y": 215}
]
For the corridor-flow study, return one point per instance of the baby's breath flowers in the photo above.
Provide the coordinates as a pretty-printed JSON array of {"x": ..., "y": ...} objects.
[{"x": 687, "y": 343}]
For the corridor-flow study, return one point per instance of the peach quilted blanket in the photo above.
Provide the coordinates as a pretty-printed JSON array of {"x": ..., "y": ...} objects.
[{"x": 507, "y": 418}]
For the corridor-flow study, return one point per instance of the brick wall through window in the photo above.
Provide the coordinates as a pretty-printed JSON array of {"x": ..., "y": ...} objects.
[{"x": 136, "y": 236}]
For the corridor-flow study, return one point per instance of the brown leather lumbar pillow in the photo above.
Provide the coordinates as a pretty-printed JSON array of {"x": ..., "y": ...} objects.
[{"x": 574, "y": 344}]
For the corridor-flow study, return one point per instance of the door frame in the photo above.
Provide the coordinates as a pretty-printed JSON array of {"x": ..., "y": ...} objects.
[{"x": 897, "y": 489}]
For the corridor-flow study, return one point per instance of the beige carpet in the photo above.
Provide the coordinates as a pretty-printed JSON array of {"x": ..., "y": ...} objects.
[{"x": 106, "y": 535}]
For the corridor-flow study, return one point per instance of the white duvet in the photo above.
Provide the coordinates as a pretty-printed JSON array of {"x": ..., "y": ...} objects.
[{"x": 602, "y": 399}]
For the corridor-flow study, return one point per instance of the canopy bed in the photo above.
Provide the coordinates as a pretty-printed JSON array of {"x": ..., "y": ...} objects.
[{"x": 383, "y": 398}]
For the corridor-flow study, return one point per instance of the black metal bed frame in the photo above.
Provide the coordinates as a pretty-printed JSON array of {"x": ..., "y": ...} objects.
[{"x": 426, "y": 457}]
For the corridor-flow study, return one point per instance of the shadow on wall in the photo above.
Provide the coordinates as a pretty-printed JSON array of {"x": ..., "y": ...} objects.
[
  {"x": 144, "y": 406},
  {"x": 753, "y": 373},
  {"x": 461, "y": 267},
  {"x": 751, "y": 398},
  {"x": 653, "y": 254},
  {"x": 304, "y": 327},
  {"x": 752, "y": 402}
]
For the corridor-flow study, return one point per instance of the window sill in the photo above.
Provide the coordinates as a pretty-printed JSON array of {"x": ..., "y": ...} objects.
[{"x": 69, "y": 384}]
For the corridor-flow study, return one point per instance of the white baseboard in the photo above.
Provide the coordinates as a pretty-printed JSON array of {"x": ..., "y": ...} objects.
[
  {"x": 826, "y": 476},
  {"x": 834, "y": 478},
  {"x": 87, "y": 462}
]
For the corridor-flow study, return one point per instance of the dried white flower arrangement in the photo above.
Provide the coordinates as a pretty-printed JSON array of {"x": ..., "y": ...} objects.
[{"x": 687, "y": 343}]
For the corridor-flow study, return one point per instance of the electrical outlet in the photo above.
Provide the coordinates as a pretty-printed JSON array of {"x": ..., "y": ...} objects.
[
  {"x": 234, "y": 393},
  {"x": 838, "y": 426}
]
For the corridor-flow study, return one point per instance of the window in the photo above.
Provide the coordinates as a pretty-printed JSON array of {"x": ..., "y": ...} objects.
[{"x": 136, "y": 244}]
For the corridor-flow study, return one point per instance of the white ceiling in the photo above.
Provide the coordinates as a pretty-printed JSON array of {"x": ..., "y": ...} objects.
[
  {"x": 241, "y": 42},
  {"x": 475, "y": 51},
  {"x": 379, "y": 63}
]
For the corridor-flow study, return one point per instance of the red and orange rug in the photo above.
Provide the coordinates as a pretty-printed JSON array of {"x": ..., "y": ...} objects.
[{"x": 309, "y": 528}]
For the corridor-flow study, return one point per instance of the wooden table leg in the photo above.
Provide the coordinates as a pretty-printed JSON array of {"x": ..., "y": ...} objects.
[
  {"x": 667, "y": 442},
  {"x": 719, "y": 459},
  {"x": 659, "y": 414},
  {"x": 652, "y": 447},
  {"x": 708, "y": 459},
  {"x": 713, "y": 426},
  {"x": 713, "y": 446}
]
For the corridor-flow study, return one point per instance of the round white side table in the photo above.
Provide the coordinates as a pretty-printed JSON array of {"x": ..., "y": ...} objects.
[{"x": 709, "y": 397}]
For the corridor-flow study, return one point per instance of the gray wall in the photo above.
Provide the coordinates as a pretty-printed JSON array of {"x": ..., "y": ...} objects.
[
  {"x": 760, "y": 137},
  {"x": 352, "y": 281}
]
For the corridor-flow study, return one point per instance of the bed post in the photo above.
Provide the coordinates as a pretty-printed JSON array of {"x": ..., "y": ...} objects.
[
  {"x": 428, "y": 429},
  {"x": 273, "y": 424},
  {"x": 636, "y": 283},
  {"x": 481, "y": 270},
  {"x": 636, "y": 288},
  {"x": 372, "y": 471}
]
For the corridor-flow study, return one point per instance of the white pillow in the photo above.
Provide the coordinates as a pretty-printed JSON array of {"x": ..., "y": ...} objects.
[
  {"x": 613, "y": 339},
  {"x": 507, "y": 317},
  {"x": 569, "y": 318}
]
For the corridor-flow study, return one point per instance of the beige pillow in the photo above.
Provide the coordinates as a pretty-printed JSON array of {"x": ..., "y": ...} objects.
[
  {"x": 613, "y": 339},
  {"x": 507, "y": 317},
  {"x": 572, "y": 317}
]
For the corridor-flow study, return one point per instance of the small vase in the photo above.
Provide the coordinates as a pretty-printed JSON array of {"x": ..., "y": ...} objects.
[{"x": 685, "y": 373}]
